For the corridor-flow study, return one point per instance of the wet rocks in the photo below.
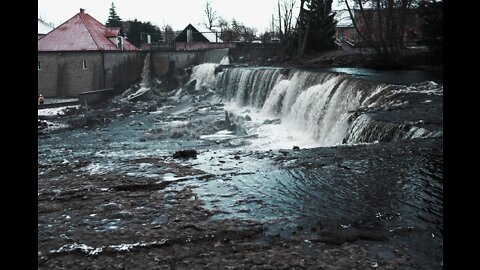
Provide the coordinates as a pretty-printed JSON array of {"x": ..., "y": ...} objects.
[
  {"x": 272, "y": 122},
  {"x": 71, "y": 110},
  {"x": 42, "y": 127},
  {"x": 141, "y": 94},
  {"x": 89, "y": 119},
  {"x": 185, "y": 154},
  {"x": 190, "y": 86},
  {"x": 151, "y": 108},
  {"x": 42, "y": 124}
]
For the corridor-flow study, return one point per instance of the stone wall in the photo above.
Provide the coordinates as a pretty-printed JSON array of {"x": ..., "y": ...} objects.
[
  {"x": 122, "y": 68},
  {"x": 63, "y": 74},
  {"x": 161, "y": 60},
  {"x": 215, "y": 55}
]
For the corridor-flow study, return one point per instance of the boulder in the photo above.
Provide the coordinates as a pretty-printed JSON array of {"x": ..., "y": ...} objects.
[
  {"x": 185, "y": 154},
  {"x": 190, "y": 86}
]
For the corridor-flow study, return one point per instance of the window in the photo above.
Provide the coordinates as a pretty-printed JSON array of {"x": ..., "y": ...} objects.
[
  {"x": 39, "y": 66},
  {"x": 84, "y": 64}
]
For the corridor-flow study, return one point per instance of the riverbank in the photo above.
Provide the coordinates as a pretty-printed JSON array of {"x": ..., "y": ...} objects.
[{"x": 412, "y": 59}]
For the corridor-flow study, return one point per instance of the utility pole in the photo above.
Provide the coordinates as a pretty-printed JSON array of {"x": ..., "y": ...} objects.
[{"x": 273, "y": 25}]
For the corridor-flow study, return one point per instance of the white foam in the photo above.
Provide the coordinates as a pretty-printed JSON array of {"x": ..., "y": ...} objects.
[
  {"x": 55, "y": 111},
  {"x": 139, "y": 92},
  {"x": 225, "y": 60},
  {"x": 220, "y": 135},
  {"x": 93, "y": 251},
  {"x": 205, "y": 75},
  {"x": 280, "y": 136}
]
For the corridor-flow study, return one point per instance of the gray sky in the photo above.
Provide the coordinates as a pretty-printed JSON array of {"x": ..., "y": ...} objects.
[{"x": 177, "y": 13}]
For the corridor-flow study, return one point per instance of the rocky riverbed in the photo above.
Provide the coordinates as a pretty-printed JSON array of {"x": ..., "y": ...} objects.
[{"x": 112, "y": 193}]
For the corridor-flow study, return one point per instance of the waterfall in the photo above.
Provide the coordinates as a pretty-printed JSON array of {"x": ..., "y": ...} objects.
[
  {"x": 331, "y": 108},
  {"x": 322, "y": 109},
  {"x": 147, "y": 81},
  {"x": 365, "y": 129},
  {"x": 225, "y": 60},
  {"x": 248, "y": 86},
  {"x": 205, "y": 76},
  {"x": 146, "y": 73}
]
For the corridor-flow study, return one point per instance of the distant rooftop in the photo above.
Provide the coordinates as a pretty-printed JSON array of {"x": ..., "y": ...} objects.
[
  {"x": 203, "y": 34},
  {"x": 209, "y": 34}
]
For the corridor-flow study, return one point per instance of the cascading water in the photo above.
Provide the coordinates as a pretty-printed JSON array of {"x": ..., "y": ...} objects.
[
  {"x": 371, "y": 127},
  {"x": 146, "y": 73},
  {"x": 225, "y": 60},
  {"x": 204, "y": 74},
  {"x": 328, "y": 108},
  {"x": 147, "y": 81},
  {"x": 249, "y": 87}
]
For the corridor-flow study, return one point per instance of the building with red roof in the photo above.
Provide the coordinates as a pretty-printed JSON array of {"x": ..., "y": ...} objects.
[
  {"x": 84, "y": 33},
  {"x": 84, "y": 55}
]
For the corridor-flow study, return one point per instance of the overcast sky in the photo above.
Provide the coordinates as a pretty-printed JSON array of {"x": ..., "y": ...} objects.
[{"x": 177, "y": 13}]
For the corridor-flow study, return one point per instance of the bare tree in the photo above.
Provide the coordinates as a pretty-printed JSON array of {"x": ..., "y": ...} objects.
[
  {"x": 284, "y": 22},
  {"x": 169, "y": 34},
  {"x": 381, "y": 24},
  {"x": 211, "y": 15}
]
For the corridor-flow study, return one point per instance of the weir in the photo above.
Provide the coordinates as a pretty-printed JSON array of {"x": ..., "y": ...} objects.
[{"x": 329, "y": 108}]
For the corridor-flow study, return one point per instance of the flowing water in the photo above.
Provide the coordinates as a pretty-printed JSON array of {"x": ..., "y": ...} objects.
[
  {"x": 369, "y": 163},
  {"x": 318, "y": 108},
  {"x": 147, "y": 82}
]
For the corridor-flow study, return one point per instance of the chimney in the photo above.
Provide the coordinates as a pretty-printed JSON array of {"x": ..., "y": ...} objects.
[{"x": 82, "y": 10}]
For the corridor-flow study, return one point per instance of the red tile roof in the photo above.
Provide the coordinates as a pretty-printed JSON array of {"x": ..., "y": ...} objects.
[{"x": 81, "y": 33}]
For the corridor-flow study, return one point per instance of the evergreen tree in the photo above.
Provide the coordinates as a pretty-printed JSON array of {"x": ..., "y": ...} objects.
[
  {"x": 315, "y": 30},
  {"x": 320, "y": 19},
  {"x": 138, "y": 32},
  {"x": 113, "y": 19},
  {"x": 134, "y": 32}
]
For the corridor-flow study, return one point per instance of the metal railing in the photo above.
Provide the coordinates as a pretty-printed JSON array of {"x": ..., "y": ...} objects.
[
  {"x": 349, "y": 41},
  {"x": 256, "y": 45},
  {"x": 112, "y": 47}
]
